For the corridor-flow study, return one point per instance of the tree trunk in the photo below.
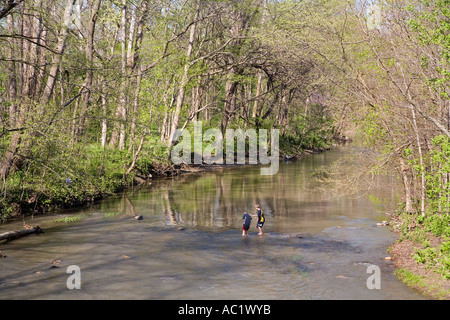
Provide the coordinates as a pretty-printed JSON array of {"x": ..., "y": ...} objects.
[
  {"x": 185, "y": 77},
  {"x": 135, "y": 105},
  {"x": 406, "y": 186},
  {"x": 196, "y": 93},
  {"x": 20, "y": 233},
  {"x": 104, "y": 114},
  {"x": 118, "y": 135},
  {"x": 422, "y": 168},
  {"x": 62, "y": 37},
  {"x": 5, "y": 166},
  {"x": 134, "y": 63},
  {"x": 12, "y": 85},
  {"x": 87, "y": 86},
  {"x": 258, "y": 92},
  {"x": 42, "y": 62},
  {"x": 230, "y": 100},
  {"x": 34, "y": 51}
]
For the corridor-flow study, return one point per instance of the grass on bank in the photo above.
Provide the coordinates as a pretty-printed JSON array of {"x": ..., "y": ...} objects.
[
  {"x": 428, "y": 261},
  {"x": 421, "y": 284},
  {"x": 432, "y": 236},
  {"x": 53, "y": 176}
]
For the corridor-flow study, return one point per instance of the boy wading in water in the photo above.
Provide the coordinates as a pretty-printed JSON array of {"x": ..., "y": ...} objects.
[
  {"x": 246, "y": 223},
  {"x": 261, "y": 219}
]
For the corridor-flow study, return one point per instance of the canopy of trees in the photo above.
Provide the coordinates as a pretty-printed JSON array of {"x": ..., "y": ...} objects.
[{"x": 91, "y": 92}]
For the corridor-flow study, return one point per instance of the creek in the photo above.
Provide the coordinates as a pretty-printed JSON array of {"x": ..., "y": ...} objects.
[{"x": 317, "y": 244}]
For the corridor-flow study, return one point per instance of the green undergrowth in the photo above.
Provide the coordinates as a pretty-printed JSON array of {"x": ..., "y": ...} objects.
[
  {"x": 57, "y": 173},
  {"x": 78, "y": 177},
  {"x": 431, "y": 234}
]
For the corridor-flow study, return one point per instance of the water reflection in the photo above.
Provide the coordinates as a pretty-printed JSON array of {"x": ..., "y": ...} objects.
[
  {"x": 122, "y": 258},
  {"x": 217, "y": 200}
]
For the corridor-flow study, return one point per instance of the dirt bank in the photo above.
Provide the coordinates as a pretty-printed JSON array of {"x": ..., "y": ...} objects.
[{"x": 416, "y": 275}]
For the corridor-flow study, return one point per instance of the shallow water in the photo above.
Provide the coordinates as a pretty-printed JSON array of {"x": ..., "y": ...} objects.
[{"x": 316, "y": 245}]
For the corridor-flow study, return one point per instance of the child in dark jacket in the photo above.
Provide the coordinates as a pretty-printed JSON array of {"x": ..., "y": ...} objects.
[{"x": 247, "y": 219}]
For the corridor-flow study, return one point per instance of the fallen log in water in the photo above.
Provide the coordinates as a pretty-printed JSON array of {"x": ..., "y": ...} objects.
[{"x": 20, "y": 233}]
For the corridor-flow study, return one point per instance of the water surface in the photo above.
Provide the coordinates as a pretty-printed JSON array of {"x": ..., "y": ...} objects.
[{"x": 317, "y": 245}]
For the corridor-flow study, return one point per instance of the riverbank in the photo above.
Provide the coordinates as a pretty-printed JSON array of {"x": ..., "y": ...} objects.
[
  {"x": 411, "y": 270},
  {"x": 101, "y": 184}
]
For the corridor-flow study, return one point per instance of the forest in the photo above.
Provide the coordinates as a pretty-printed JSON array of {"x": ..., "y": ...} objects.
[{"x": 92, "y": 91}]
